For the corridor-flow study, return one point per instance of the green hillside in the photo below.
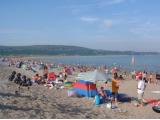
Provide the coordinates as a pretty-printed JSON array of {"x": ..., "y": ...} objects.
[{"x": 62, "y": 50}]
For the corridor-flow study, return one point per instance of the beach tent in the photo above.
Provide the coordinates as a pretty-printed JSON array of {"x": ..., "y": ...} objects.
[
  {"x": 85, "y": 88},
  {"x": 86, "y": 82},
  {"x": 93, "y": 76}
]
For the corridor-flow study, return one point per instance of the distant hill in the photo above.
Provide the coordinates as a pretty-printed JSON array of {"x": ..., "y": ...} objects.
[{"x": 62, "y": 50}]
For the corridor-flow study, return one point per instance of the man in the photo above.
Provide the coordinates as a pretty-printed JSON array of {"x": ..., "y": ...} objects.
[
  {"x": 140, "y": 90},
  {"x": 115, "y": 88}
]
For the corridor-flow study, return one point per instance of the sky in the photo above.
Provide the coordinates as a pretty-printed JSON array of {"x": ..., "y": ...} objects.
[{"x": 99, "y": 24}]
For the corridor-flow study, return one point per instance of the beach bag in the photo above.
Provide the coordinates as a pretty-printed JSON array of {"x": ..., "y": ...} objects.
[
  {"x": 97, "y": 100},
  {"x": 109, "y": 105},
  {"x": 156, "y": 109}
]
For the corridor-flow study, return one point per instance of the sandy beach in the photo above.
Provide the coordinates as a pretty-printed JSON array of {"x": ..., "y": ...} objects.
[
  {"x": 79, "y": 59},
  {"x": 40, "y": 102}
]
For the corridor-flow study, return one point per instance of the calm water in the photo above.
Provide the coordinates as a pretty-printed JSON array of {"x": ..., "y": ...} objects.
[{"x": 143, "y": 62}]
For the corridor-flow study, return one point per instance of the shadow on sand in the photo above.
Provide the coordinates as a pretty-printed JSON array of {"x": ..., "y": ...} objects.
[
  {"x": 13, "y": 95},
  {"x": 12, "y": 107},
  {"x": 76, "y": 111},
  {"x": 124, "y": 98}
]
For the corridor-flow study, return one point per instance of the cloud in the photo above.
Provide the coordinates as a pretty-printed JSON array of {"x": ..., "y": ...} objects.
[
  {"x": 108, "y": 23},
  {"x": 89, "y": 19}
]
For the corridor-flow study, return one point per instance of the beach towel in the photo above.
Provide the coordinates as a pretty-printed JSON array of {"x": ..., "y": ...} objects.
[
  {"x": 152, "y": 102},
  {"x": 124, "y": 98},
  {"x": 51, "y": 76}
]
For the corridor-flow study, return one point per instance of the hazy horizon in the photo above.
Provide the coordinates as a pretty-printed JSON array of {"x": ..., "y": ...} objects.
[{"x": 118, "y": 25}]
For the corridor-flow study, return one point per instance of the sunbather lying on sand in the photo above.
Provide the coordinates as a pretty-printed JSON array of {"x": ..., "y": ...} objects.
[{"x": 38, "y": 79}]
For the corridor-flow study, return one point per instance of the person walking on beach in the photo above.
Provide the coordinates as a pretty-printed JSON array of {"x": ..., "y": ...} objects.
[
  {"x": 140, "y": 90},
  {"x": 115, "y": 88}
]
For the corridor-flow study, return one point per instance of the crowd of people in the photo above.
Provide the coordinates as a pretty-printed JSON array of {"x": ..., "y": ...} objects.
[
  {"x": 149, "y": 77},
  {"x": 51, "y": 78},
  {"x": 44, "y": 70}
]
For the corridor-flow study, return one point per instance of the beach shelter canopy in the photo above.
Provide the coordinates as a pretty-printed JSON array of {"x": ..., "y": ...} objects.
[{"x": 93, "y": 76}]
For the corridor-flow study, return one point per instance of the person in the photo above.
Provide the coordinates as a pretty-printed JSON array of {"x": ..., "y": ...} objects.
[
  {"x": 115, "y": 88},
  {"x": 37, "y": 78},
  {"x": 65, "y": 75},
  {"x": 45, "y": 72},
  {"x": 133, "y": 74},
  {"x": 106, "y": 71},
  {"x": 150, "y": 78},
  {"x": 140, "y": 90},
  {"x": 121, "y": 77},
  {"x": 12, "y": 76},
  {"x": 144, "y": 75},
  {"x": 102, "y": 94},
  {"x": 105, "y": 84}
]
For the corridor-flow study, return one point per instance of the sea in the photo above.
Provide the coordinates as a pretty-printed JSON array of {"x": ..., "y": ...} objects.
[{"x": 150, "y": 63}]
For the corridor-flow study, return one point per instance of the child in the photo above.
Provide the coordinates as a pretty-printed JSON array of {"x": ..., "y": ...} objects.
[{"x": 102, "y": 94}]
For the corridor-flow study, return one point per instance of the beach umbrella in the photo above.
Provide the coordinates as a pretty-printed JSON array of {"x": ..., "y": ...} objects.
[{"x": 93, "y": 76}]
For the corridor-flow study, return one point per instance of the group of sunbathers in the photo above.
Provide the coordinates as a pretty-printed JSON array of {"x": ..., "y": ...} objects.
[{"x": 19, "y": 79}]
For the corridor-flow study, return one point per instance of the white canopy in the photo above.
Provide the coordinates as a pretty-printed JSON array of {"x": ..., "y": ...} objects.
[{"x": 93, "y": 76}]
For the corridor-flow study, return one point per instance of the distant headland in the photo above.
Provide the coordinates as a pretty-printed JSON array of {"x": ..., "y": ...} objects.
[{"x": 63, "y": 50}]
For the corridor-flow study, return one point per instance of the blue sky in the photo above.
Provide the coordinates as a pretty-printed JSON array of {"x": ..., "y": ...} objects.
[{"x": 100, "y": 24}]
